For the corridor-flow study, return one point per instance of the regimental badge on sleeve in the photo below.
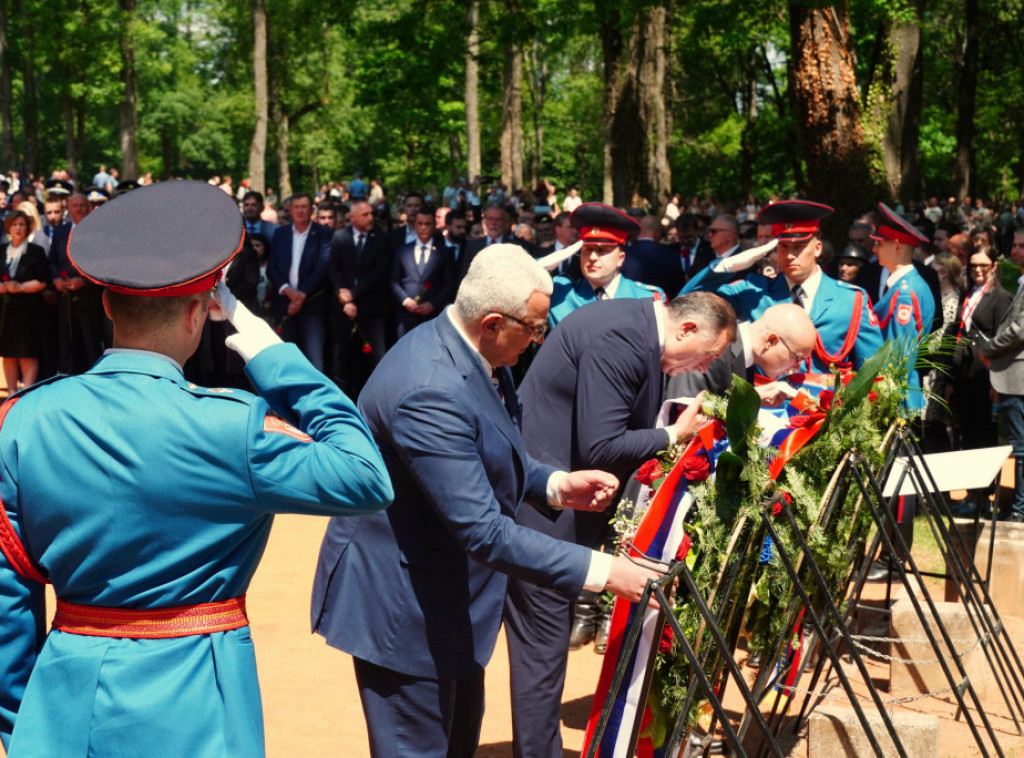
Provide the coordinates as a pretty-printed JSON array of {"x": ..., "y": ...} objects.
[
  {"x": 904, "y": 313},
  {"x": 275, "y": 425}
]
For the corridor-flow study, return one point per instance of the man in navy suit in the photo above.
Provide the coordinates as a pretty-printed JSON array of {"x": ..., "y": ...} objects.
[
  {"x": 650, "y": 262},
  {"x": 591, "y": 400},
  {"x": 359, "y": 269},
  {"x": 422, "y": 274},
  {"x": 497, "y": 225},
  {"x": 415, "y": 593},
  {"x": 252, "y": 207},
  {"x": 297, "y": 270}
]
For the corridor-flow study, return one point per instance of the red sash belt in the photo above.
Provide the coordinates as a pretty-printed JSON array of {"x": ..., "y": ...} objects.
[{"x": 150, "y": 623}]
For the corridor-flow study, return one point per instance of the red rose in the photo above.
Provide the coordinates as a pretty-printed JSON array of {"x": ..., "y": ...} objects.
[
  {"x": 777, "y": 510},
  {"x": 798, "y": 422},
  {"x": 668, "y": 638},
  {"x": 696, "y": 468},
  {"x": 427, "y": 286},
  {"x": 367, "y": 349},
  {"x": 650, "y": 472},
  {"x": 825, "y": 399},
  {"x": 784, "y": 497},
  {"x": 65, "y": 274},
  {"x": 6, "y": 277},
  {"x": 279, "y": 330},
  {"x": 872, "y": 396}
]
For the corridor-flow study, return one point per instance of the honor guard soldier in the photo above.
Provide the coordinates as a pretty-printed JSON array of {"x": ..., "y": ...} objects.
[
  {"x": 906, "y": 307},
  {"x": 146, "y": 501},
  {"x": 848, "y": 333},
  {"x": 603, "y": 231}
]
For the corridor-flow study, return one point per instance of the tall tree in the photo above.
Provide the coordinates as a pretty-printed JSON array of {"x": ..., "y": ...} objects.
[
  {"x": 30, "y": 103},
  {"x": 258, "y": 147},
  {"x": 636, "y": 165},
  {"x": 472, "y": 93},
  {"x": 827, "y": 107},
  {"x": 129, "y": 142},
  {"x": 963, "y": 169},
  {"x": 6, "y": 93},
  {"x": 511, "y": 115}
]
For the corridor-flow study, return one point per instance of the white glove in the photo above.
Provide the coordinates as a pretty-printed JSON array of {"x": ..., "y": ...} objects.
[
  {"x": 551, "y": 260},
  {"x": 254, "y": 334},
  {"x": 746, "y": 259}
]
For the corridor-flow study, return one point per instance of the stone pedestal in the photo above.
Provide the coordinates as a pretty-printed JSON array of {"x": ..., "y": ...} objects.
[
  {"x": 1007, "y": 586},
  {"x": 836, "y": 731},
  {"x": 969, "y": 533},
  {"x": 908, "y": 679}
]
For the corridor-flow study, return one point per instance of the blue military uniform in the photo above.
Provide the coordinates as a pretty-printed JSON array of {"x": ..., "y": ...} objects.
[
  {"x": 121, "y": 513},
  {"x": 904, "y": 312},
  {"x": 147, "y": 501},
  {"x": 568, "y": 295},
  {"x": 848, "y": 332}
]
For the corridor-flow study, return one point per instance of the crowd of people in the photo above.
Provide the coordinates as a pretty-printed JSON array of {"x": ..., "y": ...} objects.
[{"x": 507, "y": 406}]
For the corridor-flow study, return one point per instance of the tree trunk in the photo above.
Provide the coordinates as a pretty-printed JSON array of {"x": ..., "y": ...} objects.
[
  {"x": 511, "y": 118},
  {"x": 280, "y": 118},
  {"x": 6, "y": 94},
  {"x": 539, "y": 65},
  {"x": 636, "y": 126},
  {"x": 472, "y": 90},
  {"x": 894, "y": 117},
  {"x": 828, "y": 114},
  {"x": 30, "y": 104},
  {"x": 258, "y": 147},
  {"x": 748, "y": 139},
  {"x": 129, "y": 145},
  {"x": 963, "y": 169},
  {"x": 68, "y": 111}
]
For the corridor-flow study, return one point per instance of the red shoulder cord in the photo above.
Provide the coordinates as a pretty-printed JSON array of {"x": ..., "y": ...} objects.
[
  {"x": 851, "y": 336},
  {"x": 10, "y": 544},
  {"x": 892, "y": 307}
]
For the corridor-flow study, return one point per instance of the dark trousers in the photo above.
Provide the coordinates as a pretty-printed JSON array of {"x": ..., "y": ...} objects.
[
  {"x": 417, "y": 717},
  {"x": 80, "y": 330},
  {"x": 351, "y": 364},
  {"x": 309, "y": 332}
]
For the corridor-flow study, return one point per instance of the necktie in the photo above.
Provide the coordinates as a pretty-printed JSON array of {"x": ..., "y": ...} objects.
[
  {"x": 798, "y": 295},
  {"x": 360, "y": 239},
  {"x": 421, "y": 256},
  {"x": 600, "y": 294}
]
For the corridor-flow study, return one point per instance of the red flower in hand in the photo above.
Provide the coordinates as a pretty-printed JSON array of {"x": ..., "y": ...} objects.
[
  {"x": 696, "y": 468},
  {"x": 65, "y": 274},
  {"x": 649, "y": 473},
  {"x": 367, "y": 349},
  {"x": 427, "y": 286},
  {"x": 6, "y": 277}
]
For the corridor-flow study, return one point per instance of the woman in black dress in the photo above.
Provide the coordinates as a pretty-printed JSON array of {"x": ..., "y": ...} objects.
[{"x": 24, "y": 276}]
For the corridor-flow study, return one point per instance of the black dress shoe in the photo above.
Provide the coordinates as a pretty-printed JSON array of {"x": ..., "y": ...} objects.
[
  {"x": 584, "y": 629},
  {"x": 604, "y": 628}
]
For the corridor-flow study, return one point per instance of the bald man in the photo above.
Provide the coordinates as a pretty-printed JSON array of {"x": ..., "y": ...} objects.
[{"x": 776, "y": 344}]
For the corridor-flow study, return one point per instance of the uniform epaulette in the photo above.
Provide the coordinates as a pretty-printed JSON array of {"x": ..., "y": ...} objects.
[{"x": 228, "y": 393}]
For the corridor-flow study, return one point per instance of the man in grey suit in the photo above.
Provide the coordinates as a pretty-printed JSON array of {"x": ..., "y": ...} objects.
[
  {"x": 776, "y": 343},
  {"x": 1004, "y": 355}
]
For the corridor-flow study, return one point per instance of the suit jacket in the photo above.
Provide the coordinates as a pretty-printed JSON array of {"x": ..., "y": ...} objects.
[
  {"x": 1006, "y": 350},
  {"x": 419, "y": 588},
  {"x": 312, "y": 268},
  {"x": 653, "y": 263},
  {"x": 433, "y": 283},
  {"x": 366, "y": 275},
  {"x": 473, "y": 247},
  {"x": 568, "y": 295},
  {"x": 591, "y": 396},
  {"x": 700, "y": 258},
  {"x": 243, "y": 278},
  {"x": 718, "y": 377},
  {"x": 985, "y": 320},
  {"x": 266, "y": 228},
  {"x": 833, "y": 312}
]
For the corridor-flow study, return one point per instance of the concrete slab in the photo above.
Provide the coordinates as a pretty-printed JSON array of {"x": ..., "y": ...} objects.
[{"x": 835, "y": 731}]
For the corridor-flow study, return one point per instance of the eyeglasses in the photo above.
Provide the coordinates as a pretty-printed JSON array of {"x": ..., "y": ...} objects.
[
  {"x": 980, "y": 266},
  {"x": 796, "y": 357},
  {"x": 536, "y": 332}
]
